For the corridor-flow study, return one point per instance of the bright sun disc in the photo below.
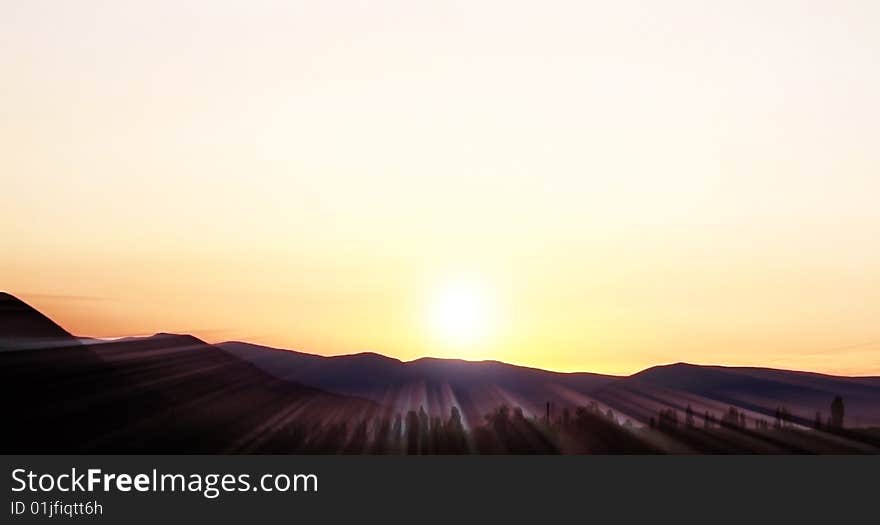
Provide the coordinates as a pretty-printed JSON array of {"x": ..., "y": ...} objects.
[{"x": 462, "y": 313}]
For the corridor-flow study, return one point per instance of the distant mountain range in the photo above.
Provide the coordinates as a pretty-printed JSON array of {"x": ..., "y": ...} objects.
[
  {"x": 170, "y": 393},
  {"x": 477, "y": 386},
  {"x": 756, "y": 391},
  {"x": 437, "y": 384}
]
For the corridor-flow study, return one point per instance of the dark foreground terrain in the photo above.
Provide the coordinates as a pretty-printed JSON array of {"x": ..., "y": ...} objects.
[{"x": 177, "y": 394}]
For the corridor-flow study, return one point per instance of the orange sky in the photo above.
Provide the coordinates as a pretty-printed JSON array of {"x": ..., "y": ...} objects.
[{"x": 627, "y": 184}]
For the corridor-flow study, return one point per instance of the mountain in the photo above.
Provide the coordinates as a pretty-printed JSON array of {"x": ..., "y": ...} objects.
[
  {"x": 171, "y": 393},
  {"x": 475, "y": 387},
  {"x": 758, "y": 391},
  {"x": 165, "y": 393},
  {"x": 22, "y": 327}
]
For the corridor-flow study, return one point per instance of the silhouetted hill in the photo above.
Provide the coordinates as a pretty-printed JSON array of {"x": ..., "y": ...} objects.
[
  {"x": 760, "y": 391},
  {"x": 171, "y": 393},
  {"x": 22, "y": 327},
  {"x": 165, "y": 393},
  {"x": 476, "y": 387}
]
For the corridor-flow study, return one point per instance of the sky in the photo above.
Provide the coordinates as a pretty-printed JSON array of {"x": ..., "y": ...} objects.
[{"x": 592, "y": 186}]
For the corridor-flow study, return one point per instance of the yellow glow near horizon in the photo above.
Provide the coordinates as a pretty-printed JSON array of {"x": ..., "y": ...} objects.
[
  {"x": 634, "y": 182},
  {"x": 463, "y": 314}
]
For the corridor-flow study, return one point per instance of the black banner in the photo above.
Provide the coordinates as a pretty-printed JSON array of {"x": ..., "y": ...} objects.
[{"x": 330, "y": 489}]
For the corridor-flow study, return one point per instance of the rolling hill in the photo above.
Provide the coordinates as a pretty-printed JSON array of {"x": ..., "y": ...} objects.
[
  {"x": 171, "y": 393},
  {"x": 475, "y": 387},
  {"x": 759, "y": 391},
  {"x": 164, "y": 393}
]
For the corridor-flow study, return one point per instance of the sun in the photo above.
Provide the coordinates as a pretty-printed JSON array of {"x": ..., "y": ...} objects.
[{"x": 462, "y": 313}]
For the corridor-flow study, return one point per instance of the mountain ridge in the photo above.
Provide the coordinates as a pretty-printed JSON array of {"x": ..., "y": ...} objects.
[
  {"x": 422, "y": 381},
  {"x": 23, "y": 326},
  {"x": 170, "y": 393},
  {"x": 475, "y": 387}
]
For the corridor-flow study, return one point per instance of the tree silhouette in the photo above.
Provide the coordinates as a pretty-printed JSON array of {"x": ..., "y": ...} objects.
[
  {"x": 732, "y": 418},
  {"x": 397, "y": 429},
  {"x": 456, "y": 441},
  {"x": 412, "y": 432},
  {"x": 424, "y": 430},
  {"x": 667, "y": 420},
  {"x": 454, "y": 423},
  {"x": 837, "y": 413}
]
